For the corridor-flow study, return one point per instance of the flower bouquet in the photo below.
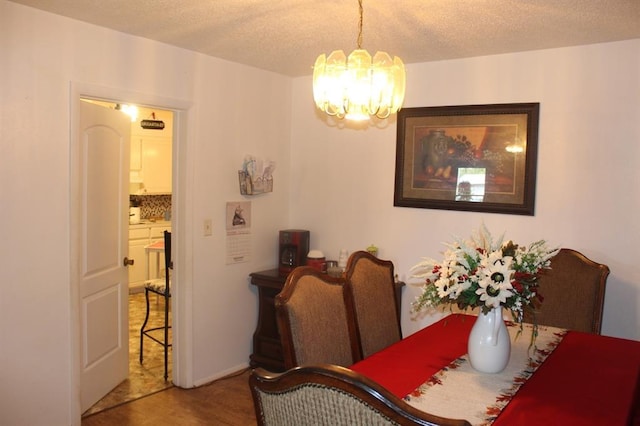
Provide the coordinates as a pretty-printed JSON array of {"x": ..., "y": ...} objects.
[{"x": 484, "y": 273}]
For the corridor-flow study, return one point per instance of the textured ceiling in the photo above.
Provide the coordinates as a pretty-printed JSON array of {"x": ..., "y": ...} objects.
[{"x": 286, "y": 36}]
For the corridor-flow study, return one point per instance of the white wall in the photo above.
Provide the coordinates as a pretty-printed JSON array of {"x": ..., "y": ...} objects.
[
  {"x": 587, "y": 195},
  {"x": 336, "y": 182},
  {"x": 42, "y": 54}
]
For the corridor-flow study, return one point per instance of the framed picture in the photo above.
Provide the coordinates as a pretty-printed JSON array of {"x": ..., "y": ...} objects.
[{"x": 472, "y": 158}]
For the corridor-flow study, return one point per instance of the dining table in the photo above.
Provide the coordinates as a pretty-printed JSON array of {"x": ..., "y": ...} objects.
[{"x": 563, "y": 378}]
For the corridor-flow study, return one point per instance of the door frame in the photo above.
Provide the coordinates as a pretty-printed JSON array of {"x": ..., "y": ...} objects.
[{"x": 182, "y": 230}]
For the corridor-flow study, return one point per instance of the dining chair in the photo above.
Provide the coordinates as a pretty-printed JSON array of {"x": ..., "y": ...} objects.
[
  {"x": 315, "y": 317},
  {"x": 372, "y": 283},
  {"x": 573, "y": 293},
  {"x": 331, "y": 395},
  {"x": 162, "y": 288}
]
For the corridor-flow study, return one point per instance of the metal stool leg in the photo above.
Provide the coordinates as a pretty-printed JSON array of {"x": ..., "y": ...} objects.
[
  {"x": 166, "y": 336},
  {"x": 144, "y": 324}
]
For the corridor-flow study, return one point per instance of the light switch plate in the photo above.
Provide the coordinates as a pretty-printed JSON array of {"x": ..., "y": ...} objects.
[{"x": 208, "y": 228}]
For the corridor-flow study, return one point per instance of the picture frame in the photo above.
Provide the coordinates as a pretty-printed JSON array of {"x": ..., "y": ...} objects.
[{"x": 479, "y": 158}]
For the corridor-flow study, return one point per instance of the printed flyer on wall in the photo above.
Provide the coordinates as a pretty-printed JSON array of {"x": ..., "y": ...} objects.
[{"x": 238, "y": 232}]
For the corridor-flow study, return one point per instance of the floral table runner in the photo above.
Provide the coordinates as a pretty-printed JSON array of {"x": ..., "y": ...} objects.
[{"x": 459, "y": 391}]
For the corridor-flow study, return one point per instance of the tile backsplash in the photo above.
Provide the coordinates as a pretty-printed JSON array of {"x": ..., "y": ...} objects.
[{"x": 152, "y": 206}]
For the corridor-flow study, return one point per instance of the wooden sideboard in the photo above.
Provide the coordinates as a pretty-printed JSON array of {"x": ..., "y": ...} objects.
[{"x": 267, "y": 348}]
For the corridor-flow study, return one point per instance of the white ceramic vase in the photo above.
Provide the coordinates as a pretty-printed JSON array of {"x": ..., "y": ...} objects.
[{"x": 489, "y": 344}]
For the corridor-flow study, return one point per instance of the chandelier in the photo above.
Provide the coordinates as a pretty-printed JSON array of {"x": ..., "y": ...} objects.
[{"x": 358, "y": 87}]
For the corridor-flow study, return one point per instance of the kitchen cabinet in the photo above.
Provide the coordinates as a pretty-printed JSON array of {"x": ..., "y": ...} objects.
[
  {"x": 156, "y": 165},
  {"x": 151, "y": 155},
  {"x": 137, "y": 271},
  {"x": 135, "y": 159},
  {"x": 144, "y": 266},
  {"x": 150, "y": 165}
]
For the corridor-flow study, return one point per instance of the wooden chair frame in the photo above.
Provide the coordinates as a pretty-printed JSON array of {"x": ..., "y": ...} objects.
[{"x": 350, "y": 395}]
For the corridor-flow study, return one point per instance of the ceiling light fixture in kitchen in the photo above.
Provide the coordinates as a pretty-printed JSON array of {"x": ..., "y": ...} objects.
[
  {"x": 130, "y": 110},
  {"x": 356, "y": 87}
]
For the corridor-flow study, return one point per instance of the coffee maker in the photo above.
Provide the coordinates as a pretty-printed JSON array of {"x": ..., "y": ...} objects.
[{"x": 293, "y": 249}]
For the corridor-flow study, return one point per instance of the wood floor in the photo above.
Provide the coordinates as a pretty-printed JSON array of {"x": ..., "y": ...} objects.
[{"x": 226, "y": 401}]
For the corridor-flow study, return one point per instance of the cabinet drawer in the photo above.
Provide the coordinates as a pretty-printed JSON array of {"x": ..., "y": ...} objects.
[{"x": 136, "y": 234}]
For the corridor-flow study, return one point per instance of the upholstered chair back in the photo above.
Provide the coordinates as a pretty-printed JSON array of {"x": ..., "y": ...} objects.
[
  {"x": 373, "y": 285},
  {"x": 316, "y": 320},
  {"x": 573, "y": 292}
]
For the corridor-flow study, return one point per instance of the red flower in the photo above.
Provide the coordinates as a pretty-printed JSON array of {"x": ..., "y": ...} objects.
[
  {"x": 525, "y": 277},
  {"x": 517, "y": 286}
]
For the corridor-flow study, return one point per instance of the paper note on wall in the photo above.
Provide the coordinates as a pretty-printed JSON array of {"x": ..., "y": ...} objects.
[{"x": 238, "y": 232}]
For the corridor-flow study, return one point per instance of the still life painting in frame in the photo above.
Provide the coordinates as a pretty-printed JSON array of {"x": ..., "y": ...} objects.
[{"x": 470, "y": 158}]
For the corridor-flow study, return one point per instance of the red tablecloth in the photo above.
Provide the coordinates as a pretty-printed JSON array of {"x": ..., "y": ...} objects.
[
  {"x": 588, "y": 379},
  {"x": 404, "y": 366}
]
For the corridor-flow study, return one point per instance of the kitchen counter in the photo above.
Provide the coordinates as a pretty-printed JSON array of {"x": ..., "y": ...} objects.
[{"x": 145, "y": 223}]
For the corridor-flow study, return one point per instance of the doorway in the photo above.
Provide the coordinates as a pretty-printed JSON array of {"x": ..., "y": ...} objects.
[
  {"x": 180, "y": 109},
  {"x": 150, "y": 201}
]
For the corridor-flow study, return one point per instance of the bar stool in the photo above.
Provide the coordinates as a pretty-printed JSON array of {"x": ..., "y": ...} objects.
[{"x": 160, "y": 287}]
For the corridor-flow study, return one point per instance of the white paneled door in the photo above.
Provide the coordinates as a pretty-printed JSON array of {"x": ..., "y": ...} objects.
[{"x": 104, "y": 161}]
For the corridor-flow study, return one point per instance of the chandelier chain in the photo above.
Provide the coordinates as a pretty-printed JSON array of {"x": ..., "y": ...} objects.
[{"x": 360, "y": 25}]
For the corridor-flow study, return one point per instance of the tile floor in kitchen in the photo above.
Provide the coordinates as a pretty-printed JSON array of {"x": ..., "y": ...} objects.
[{"x": 147, "y": 378}]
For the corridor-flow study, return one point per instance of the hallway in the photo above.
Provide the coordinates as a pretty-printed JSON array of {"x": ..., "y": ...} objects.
[{"x": 143, "y": 379}]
